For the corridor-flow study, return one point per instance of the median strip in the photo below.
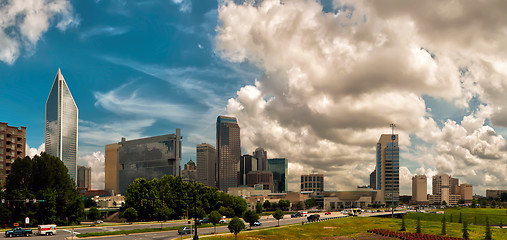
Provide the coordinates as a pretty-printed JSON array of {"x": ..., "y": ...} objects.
[{"x": 142, "y": 230}]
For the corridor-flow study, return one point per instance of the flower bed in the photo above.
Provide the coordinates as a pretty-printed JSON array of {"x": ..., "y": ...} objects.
[{"x": 410, "y": 236}]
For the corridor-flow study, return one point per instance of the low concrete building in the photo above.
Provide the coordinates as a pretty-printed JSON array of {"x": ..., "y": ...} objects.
[
  {"x": 494, "y": 193},
  {"x": 451, "y": 199},
  {"x": 350, "y": 199},
  {"x": 260, "y": 177},
  {"x": 293, "y": 197},
  {"x": 109, "y": 201},
  {"x": 245, "y": 191}
]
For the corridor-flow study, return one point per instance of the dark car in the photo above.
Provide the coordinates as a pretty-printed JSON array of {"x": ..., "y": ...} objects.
[
  {"x": 295, "y": 215},
  {"x": 313, "y": 218},
  {"x": 185, "y": 230},
  {"x": 19, "y": 231},
  {"x": 257, "y": 223},
  {"x": 203, "y": 221}
]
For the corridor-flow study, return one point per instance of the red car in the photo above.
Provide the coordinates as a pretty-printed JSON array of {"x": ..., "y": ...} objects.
[{"x": 327, "y": 213}]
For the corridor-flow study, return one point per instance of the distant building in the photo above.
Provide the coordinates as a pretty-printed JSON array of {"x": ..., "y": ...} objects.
[
  {"x": 206, "y": 164},
  {"x": 454, "y": 186},
  {"x": 466, "y": 192},
  {"x": 260, "y": 177},
  {"x": 111, "y": 169},
  {"x": 148, "y": 158},
  {"x": 246, "y": 165},
  {"x": 419, "y": 189},
  {"x": 388, "y": 167},
  {"x": 293, "y": 197},
  {"x": 312, "y": 182},
  {"x": 441, "y": 189},
  {"x": 189, "y": 172},
  {"x": 62, "y": 117},
  {"x": 228, "y": 152},
  {"x": 246, "y": 191},
  {"x": 373, "y": 179},
  {"x": 94, "y": 193},
  {"x": 261, "y": 156},
  {"x": 12, "y": 146},
  {"x": 109, "y": 201},
  {"x": 490, "y": 193},
  {"x": 84, "y": 177},
  {"x": 280, "y": 169},
  {"x": 337, "y": 200}
]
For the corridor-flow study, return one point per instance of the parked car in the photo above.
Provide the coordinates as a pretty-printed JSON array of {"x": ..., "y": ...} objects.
[
  {"x": 257, "y": 223},
  {"x": 185, "y": 230},
  {"x": 47, "y": 230},
  {"x": 327, "y": 213},
  {"x": 295, "y": 215},
  {"x": 99, "y": 222},
  {"x": 18, "y": 231}
]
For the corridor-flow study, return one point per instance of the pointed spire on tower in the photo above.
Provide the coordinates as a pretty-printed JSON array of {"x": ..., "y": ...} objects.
[{"x": 59, "y": 75}]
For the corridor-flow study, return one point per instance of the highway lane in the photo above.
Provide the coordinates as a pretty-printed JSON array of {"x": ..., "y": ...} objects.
[
  {"x": 64, "y": 233},
  {"x": 267, "y": 221}
]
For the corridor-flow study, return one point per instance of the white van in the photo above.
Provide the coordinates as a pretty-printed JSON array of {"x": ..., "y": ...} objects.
[{"x": 47, "y": 229}]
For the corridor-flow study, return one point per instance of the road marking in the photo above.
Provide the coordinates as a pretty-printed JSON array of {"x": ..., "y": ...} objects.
[{"x": 70, "y": 231}]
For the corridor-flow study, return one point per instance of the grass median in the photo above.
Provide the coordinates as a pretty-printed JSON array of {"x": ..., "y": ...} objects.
[
  {"x": 142, "y": 230},
  {"x": 476, "y": 216},
  {"x": 356, "y": 226}
]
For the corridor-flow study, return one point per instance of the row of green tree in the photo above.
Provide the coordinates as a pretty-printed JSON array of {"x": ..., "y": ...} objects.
[
  {"x": 466, "y": 235},
  {"x": 171, "y": 198},
  {"x": 45, "y": 179}
]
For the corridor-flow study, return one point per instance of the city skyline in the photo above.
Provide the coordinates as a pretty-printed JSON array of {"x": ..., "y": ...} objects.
[{"x": 318, "y": 93}]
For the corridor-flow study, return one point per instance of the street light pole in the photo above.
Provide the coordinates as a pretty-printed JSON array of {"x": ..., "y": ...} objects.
[
  {"x": 392, "y": 170},
  {"x": 196, "y": 237}
]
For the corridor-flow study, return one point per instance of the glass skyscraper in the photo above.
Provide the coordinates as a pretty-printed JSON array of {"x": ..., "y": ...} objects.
[
  {"x": 388, "y": 167},
  {"x": 149, "y": 158},
  {"x": 280, "y": 169},
  {"x": 61, "y": 125},
  {"x": 228, "y": 152}
]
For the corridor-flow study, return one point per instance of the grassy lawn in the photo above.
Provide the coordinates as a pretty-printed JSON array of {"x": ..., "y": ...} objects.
[
  {"x": 471, "y": 215},
  {"x": 144, "y": 230},
  {"x": 358, "y": 225}
]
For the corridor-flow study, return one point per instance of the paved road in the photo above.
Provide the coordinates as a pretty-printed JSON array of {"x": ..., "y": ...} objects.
[
  {"x": 64, "y": 233},
  {"x": 267, "y": 221}
]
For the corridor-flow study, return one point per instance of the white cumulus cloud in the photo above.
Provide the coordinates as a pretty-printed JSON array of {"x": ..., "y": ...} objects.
[
  {"x": 31, "y": 152},
  {"x": 333, "y": 81},
  {"x": 96, "y": 161},
  {"x": 22, "y": 24}
]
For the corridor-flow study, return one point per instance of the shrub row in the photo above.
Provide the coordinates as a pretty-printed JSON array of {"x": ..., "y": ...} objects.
[{"x": 410, "y": 236}]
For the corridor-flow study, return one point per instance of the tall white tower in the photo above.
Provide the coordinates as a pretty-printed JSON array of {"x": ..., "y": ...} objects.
[{"x": 61, "y": 125}]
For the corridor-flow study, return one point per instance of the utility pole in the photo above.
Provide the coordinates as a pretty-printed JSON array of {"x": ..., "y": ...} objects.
[
  {"x": 196, "y": 236},
  {"x": 392, "y": 165}
]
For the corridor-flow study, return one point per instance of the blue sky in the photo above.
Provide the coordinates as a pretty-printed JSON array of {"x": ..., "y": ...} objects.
[
  {"x": 154, "y": 54},
  {"x": 316, "y": 82}
]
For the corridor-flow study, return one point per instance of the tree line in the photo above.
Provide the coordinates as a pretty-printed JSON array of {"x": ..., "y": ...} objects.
[
  {"x": 45, "y": 179},
  {"x": 172, "y": 198}
]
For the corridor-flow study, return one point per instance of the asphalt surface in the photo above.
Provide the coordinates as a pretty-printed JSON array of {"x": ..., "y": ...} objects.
[{"x": 267, "y": 221}]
